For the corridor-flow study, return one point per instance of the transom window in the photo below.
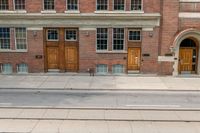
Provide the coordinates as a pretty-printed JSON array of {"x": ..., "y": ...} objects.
[
  {"x": 4, "y": 38},
  {"x": 52, "y": 35},
  {"x": 71, "y": 35},
  {"x": 101, "y": 69},
  {"x": 6, "y": 68},
  {"x": 22, "y": 68},
  {"x": 3, "y": 4},
  {"x": 118, "y": 69},
  {"x": 49, "y": 5},
  {"x": 102, "y": 5},
  {"x": 118, "y": 39},
  {"x": 102, "y": 38},
  {"x": 118, "y": 4},
  {"x": 20, "y": 38},
  {"x": 136, "y": 4},
  {"x": 72, "y": 4},
  {"x": 134, "y": 35},
  {"x": 19, "y": 4}
]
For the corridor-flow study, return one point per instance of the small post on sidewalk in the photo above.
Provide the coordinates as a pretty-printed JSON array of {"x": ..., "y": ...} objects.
[{"x": 91, "y": 71}]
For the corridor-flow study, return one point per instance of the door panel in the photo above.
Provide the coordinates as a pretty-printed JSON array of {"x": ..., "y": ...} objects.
[
  {"x": 71, "y": 59},
  {"x": 185, "y": 62},
  {"x": 134, "y": 58},
  {"x": 52, "y": 57}
]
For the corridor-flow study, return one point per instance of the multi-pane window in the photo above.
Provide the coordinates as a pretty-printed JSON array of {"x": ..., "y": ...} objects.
[
  {"x": 102, "y": 38},
  {"x": 52, "y": 35},
  {"x": 102, "y": 5},
  {"x": 20, "y": 38},
  {"x": 101, "y": 69},
  {"x": 22, "y": 68},
  {"x": 3, "y": 4},
  {"x": 118, "y": 69},
  {"x": 19, "y": 4},
  {"x": 136, "y": 4},
  {"x": 119, "y": 5},
  {"x": 72, "y": 4},
  {"x": 4, "y": 38},
  {"x": 71, "y": 35},
  {"x": 49, "y": 5},
  {"x": 134, "y": 35},
  {"x": 6, "y": 68},
  {"x": 118, "y": 39}
]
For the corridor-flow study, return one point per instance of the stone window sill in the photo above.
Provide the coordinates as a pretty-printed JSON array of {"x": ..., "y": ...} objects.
[{"x": 48, "y": 12}]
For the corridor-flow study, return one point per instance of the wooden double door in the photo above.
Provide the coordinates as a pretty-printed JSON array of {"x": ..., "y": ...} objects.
[
  {"x": 134, "y": 59},
  {"x": 61, "y": 55},
  {"x": 55, "y": 60},
  {"x": 187, "y": 60}
]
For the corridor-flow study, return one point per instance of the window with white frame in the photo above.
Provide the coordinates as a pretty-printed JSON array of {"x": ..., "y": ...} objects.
[
  {"x": 49, "y": 5},
  {"x": 118, "y": 69},
  {"x": 22, "y": 68},
  {"x": 19, "y": 4},
  {"x": 71, "y": 35},
  {"x": 136, "y": 5},
  {"x": 52, "y": 34},
  {"x": 118, "y": 39},
  {"x": 4, "y": 5},
  {"x": 6, "y": 68},
  {"x": 101, "y": 69},
  {"x": 102, "y": 39},
  {"x": 4, "y": 38},
  {"x": 102, "y": 5},
  {"x": 20, "y": 38},
  {"x": 72, "y": 5},
  {"x": 134, "y": 35},
  {"x": 119, "y": 5}
]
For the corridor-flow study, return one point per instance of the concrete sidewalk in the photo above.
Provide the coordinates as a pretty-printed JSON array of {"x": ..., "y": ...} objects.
[
  {"x": 100, "y": 114},
  {"x": 77, "y": 81},
  {"x": 79, "y": 126}
]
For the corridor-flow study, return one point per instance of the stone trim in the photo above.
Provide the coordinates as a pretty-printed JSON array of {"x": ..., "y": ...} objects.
[
  {"x": 189, "y": 15},
  {"x": 189, "y": 1}
]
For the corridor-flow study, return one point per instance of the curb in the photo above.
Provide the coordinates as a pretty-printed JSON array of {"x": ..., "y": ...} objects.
[
  {"x": 86, "y": 89},
  {"x": 101, "y": 108},
  {"x": 74, "y": 119}
]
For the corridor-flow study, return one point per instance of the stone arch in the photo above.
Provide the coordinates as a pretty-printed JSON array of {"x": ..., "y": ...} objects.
[{"x": 193, "y": 34}]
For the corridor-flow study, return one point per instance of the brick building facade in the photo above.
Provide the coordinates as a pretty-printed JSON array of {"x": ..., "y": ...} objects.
[{"x": 108, "y": 36}]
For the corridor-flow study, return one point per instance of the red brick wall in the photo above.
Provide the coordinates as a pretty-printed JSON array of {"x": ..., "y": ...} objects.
[
  {"x": 189, "y": 7},
  {"x": 169, "y": 28},
  {"x": 150, "y": 46},
  {"x": 88, "y": 58},
  {"x": 151, "y": 6},
  {"x": 35, "y": 47}
]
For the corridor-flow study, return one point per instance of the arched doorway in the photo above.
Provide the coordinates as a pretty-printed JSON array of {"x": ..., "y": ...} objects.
[{"x": 188, "y": 56}]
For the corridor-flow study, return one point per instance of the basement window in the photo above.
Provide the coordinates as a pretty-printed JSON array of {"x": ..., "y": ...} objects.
[
  {"x": 119, "y": 5},
  {"x": 101, "y": 69},
  {"x": 22, "y": 68},
  {"x": 118, "y": 69},
  {"x": 6, "y": 68},
  {"x": 3, "y": 4}
]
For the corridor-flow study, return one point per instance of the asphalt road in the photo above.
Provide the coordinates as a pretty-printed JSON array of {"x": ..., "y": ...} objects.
[{"x": 100, "y": 99}]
